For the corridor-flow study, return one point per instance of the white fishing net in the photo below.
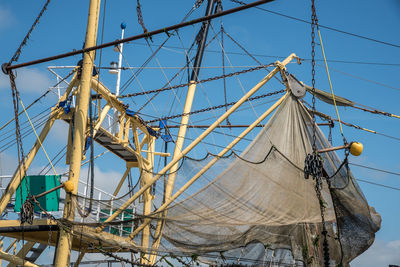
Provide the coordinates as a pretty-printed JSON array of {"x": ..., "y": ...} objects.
[{"x": 259, "y": 207}]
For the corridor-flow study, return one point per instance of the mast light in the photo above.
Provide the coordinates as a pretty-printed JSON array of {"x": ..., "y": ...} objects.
[{"x": 113, "y": 67}]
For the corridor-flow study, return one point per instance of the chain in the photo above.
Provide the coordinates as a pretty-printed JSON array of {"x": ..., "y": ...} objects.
[
  {"x": 121, "y": 259},
  {"x": 15, "y": 95},
  {"x": 215, "y": 107},
  {"x": 140, "y": 16},
  {"x": 27, "y": 211},
  {"x": 198, "y": 3},
  {"x": 325, "y": 245},
  {"x": 314, "y": 22},
  {"x": 315, "y": 159},
  {"x": 313, "y": 167},
  {"x": 27, "y": 36},
  {"x": 20, "y": 149},
  {"x": 201, "y": 81}
]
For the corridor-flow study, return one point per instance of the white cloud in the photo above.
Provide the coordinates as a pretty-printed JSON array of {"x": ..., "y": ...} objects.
[
  {"x": 59, "y": 132},
  {"x": 28, "y": 80},
  {"x": 379, "y": 254},
  {"x": 8, "y": 164},
  {"x": 104, "y": 180},
  {"x": 4, "y": 81},
  {"x": 6, "y": 17}
]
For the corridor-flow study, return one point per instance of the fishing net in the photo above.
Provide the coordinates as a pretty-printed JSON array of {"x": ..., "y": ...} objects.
[{"x": 258, "y": 207}]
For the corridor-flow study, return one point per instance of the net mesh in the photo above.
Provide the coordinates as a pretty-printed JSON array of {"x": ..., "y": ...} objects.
[{"x": 258, "y": 206}]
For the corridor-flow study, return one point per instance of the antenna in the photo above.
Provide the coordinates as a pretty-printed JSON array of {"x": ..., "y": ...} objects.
[{"x": 116, "y": 69}]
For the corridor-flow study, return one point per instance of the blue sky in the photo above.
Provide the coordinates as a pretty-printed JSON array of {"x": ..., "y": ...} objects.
[{"x": 269, "y": 37}]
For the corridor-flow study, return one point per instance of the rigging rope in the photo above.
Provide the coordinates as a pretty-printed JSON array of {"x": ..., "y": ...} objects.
[
  {"x": 223, "y": 69},
  {"x": 330, "y": 83},
  {"x": 282, "y": 57},
  {"x": 40, "y": 97},
  {"x": 249, "y": 54},
  {"x": 327, "y": 117},
  {"x": 37, "y": 137},
  {"x": 322, "y": 26}
]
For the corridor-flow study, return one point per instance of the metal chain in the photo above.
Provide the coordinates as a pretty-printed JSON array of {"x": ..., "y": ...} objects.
[
  {"x": 140, "y": 16},
  {"x": 187, "y": 84},
  {"x": 316, "y": 159},
  {"x": 215, "y": 107},
  {"x": 198, "y": 3},
  {"x": 27, "y": 36},
  {"x": 325, "y": 245},
  {"x": 26, "y": 215},
  {"x": 15, "y": 95},
  {"x": 314, "y": 22}
]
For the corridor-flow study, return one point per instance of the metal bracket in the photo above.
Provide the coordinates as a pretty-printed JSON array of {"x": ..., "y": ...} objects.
[{"x": 4, "y": 68}]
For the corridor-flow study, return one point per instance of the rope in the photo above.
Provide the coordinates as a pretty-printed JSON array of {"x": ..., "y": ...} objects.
[
  {"x": 223, "y": 69},
  {"x": 327, "y": 117},
  {"x": 40, "y": 97},
  {"x": 322, "y": 26},
  {"x": 330, "y": 83},
  {"x": 37, "y": 137}
]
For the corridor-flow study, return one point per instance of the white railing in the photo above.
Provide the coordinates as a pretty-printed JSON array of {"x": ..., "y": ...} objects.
[{"x": 101, "y": 209}]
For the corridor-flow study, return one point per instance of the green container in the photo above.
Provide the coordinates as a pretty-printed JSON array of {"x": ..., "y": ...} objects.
[{"x": 37, "y": 184}]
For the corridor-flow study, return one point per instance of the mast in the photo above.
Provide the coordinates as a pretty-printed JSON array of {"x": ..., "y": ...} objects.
[
  {"x": 189, "y": 99},
  {"x": 80, "y": 119},
  {"x": 185, "y": 119},
  {"x": 120, "y": 48}
]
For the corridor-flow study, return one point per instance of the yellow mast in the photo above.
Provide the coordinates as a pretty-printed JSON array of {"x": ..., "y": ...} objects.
[{"x": 80, "y": 119}]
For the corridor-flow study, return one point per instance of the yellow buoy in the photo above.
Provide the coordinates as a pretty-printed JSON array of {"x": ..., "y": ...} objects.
[
  {"x": 69, "y": 186},
  {"x": 356, "y": 148}
]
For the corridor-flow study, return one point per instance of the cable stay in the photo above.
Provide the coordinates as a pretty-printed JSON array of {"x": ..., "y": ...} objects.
[{"x": 322, "y": 26}]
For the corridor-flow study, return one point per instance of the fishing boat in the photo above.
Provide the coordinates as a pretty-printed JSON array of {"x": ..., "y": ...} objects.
[{"x": 212, "y": 171}]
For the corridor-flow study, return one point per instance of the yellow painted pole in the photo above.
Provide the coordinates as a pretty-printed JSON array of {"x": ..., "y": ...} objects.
[
  {"x": 147, "y": 197},
  {"x": 80, "y": 257},
  {"x": 177, "y": 151},
  {"x": 16, "y": 260},
  {"x": 22, "y": 168},
  {"x": 180, "y": 139},
  {"x": 201, "y": 137},
  {"x": 11, "y": 245},
  {"x": 121, "y": 182},
  {"x": 115, "y": 102},
  {"x": 23, "y": 252},
  {"x": 103, "y": 115},
  {"x": 210, "y": 164},
  {"x": 79, "y": 132}
]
